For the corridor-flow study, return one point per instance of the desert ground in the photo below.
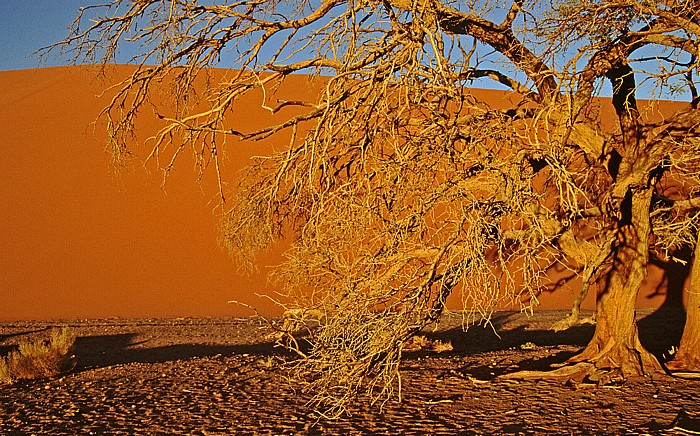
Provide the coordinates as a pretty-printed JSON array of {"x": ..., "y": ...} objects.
[{"x": 206, "y": 376}]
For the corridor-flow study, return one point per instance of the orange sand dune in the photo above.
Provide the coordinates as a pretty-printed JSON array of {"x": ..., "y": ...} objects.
[{"x": 78, "y": 243}]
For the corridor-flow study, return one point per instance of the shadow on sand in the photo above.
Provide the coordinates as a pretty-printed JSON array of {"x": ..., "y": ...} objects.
[
  {"x": 659, "y": 331},
  {"x": 108, "y": 350},
  {"x": 6, "y": 349}
]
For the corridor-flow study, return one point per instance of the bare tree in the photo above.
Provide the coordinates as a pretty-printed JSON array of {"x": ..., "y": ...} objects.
[
  {"x": 401, "y": 185},
  {"x": 652, "y": 164}
]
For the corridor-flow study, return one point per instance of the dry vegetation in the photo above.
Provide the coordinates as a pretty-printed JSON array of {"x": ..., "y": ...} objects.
[
  {"x": 40, "y": 358},
  {"x": 401, "y": 186}
]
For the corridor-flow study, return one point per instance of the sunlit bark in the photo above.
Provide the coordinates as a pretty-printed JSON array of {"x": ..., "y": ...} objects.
[{"x": 615, "y": 345}]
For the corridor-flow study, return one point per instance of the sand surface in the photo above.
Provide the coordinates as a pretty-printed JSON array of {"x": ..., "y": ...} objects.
[
  {"x": 77, "y": 242},
  {"x": 207, "y": 376}
]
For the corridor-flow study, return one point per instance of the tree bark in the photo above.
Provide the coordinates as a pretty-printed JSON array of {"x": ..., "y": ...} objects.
[
  {"x": 688, "y": 356},
  {"x": 615, "y": 349}
]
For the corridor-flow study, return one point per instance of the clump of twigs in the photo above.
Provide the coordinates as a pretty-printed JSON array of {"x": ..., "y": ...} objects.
[
  {"x": 40, "y": 358},
  {"x": 400, "y": 185}
]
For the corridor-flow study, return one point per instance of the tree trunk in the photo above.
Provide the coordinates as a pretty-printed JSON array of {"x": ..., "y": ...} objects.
[
  {"x": 615, "y": 349},
  {"x": 688, "y": 356}
]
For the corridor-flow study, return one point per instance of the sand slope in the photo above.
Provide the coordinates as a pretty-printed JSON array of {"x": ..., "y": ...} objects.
[{"x": 78, "y": 243}]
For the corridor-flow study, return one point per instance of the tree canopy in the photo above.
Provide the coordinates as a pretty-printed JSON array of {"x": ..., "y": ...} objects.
[{"x": 402, "y": 185}]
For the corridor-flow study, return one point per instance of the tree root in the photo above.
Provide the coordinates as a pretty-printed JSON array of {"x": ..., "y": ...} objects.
[
  {"x": 570, "y": 321},
  {"x": 685, "y": 366},
  {"x": 576, "y": 372},
  {"x": 579, "y": 373},
  {"x": 693, "y": 375},
  {"x": 602, "y": 365}
]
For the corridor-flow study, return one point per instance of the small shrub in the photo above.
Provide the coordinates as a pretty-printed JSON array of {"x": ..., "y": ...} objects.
[
  {"x": 38, "y": 359},
  {"x": 5, "y": 373}
]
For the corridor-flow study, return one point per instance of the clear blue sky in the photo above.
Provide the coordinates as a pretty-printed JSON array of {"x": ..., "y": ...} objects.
[{"x": 27, "y": 25}]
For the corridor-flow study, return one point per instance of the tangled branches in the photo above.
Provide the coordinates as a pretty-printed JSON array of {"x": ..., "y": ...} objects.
[{"x": 400, "y": 186}]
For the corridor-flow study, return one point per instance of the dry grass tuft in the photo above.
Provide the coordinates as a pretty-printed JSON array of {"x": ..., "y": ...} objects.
[
  {"x": 38, "y": 359},
  {"x": 422, "y": 343}
]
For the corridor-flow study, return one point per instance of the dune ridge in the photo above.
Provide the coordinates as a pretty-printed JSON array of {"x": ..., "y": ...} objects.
[{"x": 79, "y": 243}]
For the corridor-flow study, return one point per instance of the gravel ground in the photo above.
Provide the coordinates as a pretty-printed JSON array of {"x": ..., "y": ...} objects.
[{"x": 223, "y": 376}]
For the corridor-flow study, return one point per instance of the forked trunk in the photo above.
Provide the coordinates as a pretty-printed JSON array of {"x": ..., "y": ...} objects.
[
  {"x": 688, "y": 356},
  {"x": 615, "y": 349}
]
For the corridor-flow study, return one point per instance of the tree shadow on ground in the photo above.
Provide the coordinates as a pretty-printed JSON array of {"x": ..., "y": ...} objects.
[
  {"x": 481, "y": 344},
  {"x": 6, "y": 349},
  {"x": 103, "y": 351},
  {"x": 4, "y": 337},
  {"x": 541, "y": 348},
  {"x": 503, "y": 333},
  {"x": 661, "y": 331}
]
